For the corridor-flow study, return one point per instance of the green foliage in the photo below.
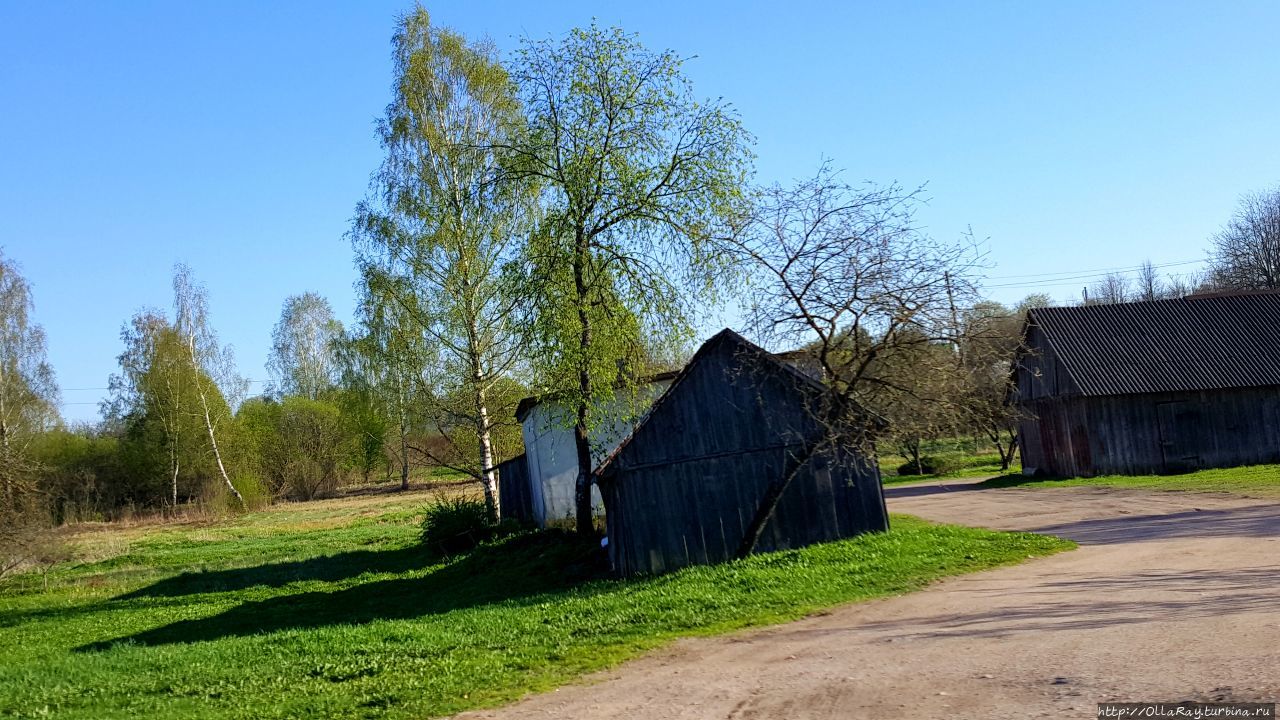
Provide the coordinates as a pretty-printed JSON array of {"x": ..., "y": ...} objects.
[
  {"x": 302, "y": 446},
  {"x": 28, "y": 391},
  {"x": 932, "y": 465},
  {"x": 367, "y": 422},
  {"x": 638, "y": 177},
  {"x": 333, "y": 610},
  {"x": 434, "y": 240},
  {"x": 83, "y": 474},
  {"x": 458, "y": 524}
]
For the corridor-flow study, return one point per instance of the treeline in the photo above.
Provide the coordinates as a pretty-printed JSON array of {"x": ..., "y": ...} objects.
[{"x": 554, "y": 223}]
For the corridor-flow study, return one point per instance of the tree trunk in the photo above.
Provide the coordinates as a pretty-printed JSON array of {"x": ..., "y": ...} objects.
[
  {"x": 404, "y": 434},
  {"x": 173, "y": 460},
  {"x": 584, "y": 518},
  {"x": 582, "y": 488},
  {"x": 769, "y": 503},
  {"x": 5, "y": 459},
  {"x": 217, "y": 454},
  {"x": 1013, "y": 450},
  {"x": 404, "y": 457},
  {"x": 208, "y": 424},
  {"x": 488, "y": 473}
]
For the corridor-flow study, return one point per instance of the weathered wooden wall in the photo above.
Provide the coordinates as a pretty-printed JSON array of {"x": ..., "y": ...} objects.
[
  {"x": 1155, "y": 433},
  {"x": 514, "y": 489},
  {"x": 685, "y": 487},
  {"x": 1071, "y": 434}
]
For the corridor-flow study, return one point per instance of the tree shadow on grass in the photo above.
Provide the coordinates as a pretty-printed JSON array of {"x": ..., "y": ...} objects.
[
  {"x": 326, "y": 568},
  {"x": 519, "y": 567}
]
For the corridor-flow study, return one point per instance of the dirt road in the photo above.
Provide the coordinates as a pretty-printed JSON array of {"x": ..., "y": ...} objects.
[{"x": 1170, "y": 596}]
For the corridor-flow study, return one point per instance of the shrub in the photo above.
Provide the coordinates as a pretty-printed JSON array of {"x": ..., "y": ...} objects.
[
  {"x": 933, "y": 465},
  {"x": 456, "y": 525},
  {"x": 305, "y": 447}
]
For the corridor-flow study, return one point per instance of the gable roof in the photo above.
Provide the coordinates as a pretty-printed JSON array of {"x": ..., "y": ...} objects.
[
  {"x": 739, "y": 344},
  {"x": 529, "y": 403},
  {"x": 1200, "y": 342}
]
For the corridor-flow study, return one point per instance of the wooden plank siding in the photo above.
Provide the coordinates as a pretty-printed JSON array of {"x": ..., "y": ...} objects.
[
  {"x": 684, "y": 488},
  {"x": 1068, "y": 433},
  {"x": 514, "y": 491}
]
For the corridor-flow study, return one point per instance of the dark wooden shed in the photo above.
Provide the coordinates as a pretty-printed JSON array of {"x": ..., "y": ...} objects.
[
  {"x": 1151, "y": 387},
  {"x": 682, "y": 489}
]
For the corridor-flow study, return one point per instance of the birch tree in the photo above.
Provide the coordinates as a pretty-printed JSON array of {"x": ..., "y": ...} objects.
[
  {"x": 636, "y": 174},
  {"x": 440, "y": 226},
  {"x": 386, "y": 358},
  {"x": 28, "y": 392},
  {"x": 303, "y": 346},
  {"x": 215, "y": 365},
  {"x": 157, "y": 385}
]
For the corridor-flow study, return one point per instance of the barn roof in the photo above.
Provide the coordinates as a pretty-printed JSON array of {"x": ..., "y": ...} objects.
[
  {"x": 529, "y": 403},
  {"x": 1200, "y": 342},
  {"x": 784, "y": 362}
]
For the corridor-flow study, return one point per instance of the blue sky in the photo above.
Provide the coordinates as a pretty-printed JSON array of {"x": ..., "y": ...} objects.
[{"x": 238, "y": 136}]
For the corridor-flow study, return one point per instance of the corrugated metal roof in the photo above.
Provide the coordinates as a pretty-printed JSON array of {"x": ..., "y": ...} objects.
[{"x": 1203, "y": 342}]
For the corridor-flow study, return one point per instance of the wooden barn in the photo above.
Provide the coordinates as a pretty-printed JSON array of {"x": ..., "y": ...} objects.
[
  {"x": 682, "y": 489},
  {"x": 1151, "y": 387}
]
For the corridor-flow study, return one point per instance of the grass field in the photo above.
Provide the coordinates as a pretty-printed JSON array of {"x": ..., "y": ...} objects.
[
  {"x": 1255, "y": 481},
  {"x": 330, "y": 609}
]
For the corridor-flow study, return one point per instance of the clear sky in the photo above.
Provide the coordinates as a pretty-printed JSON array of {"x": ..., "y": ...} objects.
[{"x": 238, "y": 136}]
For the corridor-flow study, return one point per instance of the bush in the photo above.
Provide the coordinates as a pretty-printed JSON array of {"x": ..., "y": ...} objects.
[
  {"x": 933, "y": 465},
  {"x": 459, "y": 524},
  {"x": 303, "y": 445}
]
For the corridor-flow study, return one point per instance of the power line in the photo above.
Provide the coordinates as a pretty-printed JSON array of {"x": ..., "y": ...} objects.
[
  {"x": 85, "y": 389},
  {"x": 1057, "y": 280},
  {"x": 1097, "y": 270}
]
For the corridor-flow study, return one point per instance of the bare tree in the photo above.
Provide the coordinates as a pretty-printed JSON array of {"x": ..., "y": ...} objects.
[
  {"x": 1245, "y": 254},
  {"x": 1111, "y": 289},
  {"x": 1149, "y": 285},
  {"x": 845, "y": 271}
]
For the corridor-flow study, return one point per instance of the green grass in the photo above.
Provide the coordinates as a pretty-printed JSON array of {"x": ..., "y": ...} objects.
[
  {"x": 332, "y": 610},
  {"x": 1255, "y": 480}
]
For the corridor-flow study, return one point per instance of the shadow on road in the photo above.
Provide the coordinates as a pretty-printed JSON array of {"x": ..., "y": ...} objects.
[{"x": 1253, "y": 521}]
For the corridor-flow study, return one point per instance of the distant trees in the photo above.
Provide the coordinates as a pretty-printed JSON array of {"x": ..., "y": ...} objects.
[
  {"x": 1147, "y": 284},
  {"x": 636, "y": 176},
  {"x": 175, "y": 391},
  {"x": 1245, "y": 254},
  {"x": 28, "y": 407},
  {"x": 154, "y": 398},
  {"x": 302, "y": 445},
  {"x": 28, "y": 392},
  {"x": 991, "y": 336},
  {"x": 303, "y": 345},
  {"x": 1111, "y": 289}
]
